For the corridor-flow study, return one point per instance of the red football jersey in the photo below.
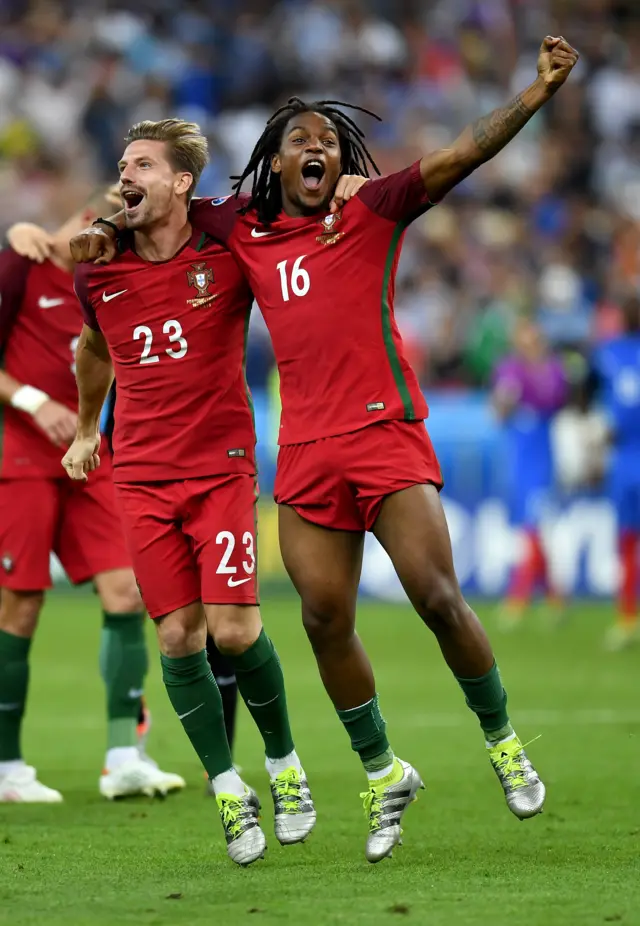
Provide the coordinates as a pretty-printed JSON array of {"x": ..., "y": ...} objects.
[
  {"x": 40, "y": 321},
  {"x": 325, "y": 285},
  {"x": 176, "y": 332}
]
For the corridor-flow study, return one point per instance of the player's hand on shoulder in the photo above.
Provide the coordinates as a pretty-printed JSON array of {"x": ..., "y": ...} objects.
[
  {"x": 31, "y": 241},
  {"x": 94, "y": 245},
  {"x": 556, "y": 61},
  {"x": 348, "y": 186},
  {"x": 82, "y": 457},
  {"x": 57, "y": 421}
]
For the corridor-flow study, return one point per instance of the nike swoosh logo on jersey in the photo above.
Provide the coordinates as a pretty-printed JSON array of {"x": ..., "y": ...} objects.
[
  {"x": 257, "y": 234},
  {"x": 233, "y": 582},
  {"x": 11, "y": 707},
  {"x": 111, "y": 296},
  {"x": 192, "y": 711},
  {"x": 135, "y": 693},
  {"x": 45, "y": 303}
]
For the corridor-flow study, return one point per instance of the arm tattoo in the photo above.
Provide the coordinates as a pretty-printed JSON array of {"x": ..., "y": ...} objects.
[{"x": 491, "y": 133}]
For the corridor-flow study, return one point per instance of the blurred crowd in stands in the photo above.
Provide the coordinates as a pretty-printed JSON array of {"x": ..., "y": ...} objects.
[{"x": 550, "y": 228}]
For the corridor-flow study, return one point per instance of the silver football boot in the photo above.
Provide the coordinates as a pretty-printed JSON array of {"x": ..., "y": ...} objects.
[
  {"x": 385, "y": 805},
  {"x": 293, "y": 809},
  {"x": 523, "y": 789},
  {"x": 246, "y": 842}
]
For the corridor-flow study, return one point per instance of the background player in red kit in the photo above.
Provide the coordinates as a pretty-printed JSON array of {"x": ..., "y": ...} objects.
[
  {"x": 169, "y": 315},
  {"x": 41, "y": 511},
  {"x": 354, "y": 452}
]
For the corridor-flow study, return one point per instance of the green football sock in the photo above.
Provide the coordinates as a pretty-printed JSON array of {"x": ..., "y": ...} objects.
[
  {"x": 14, "y": 681},
  {"x": 261, "y": 684},
  {"x": 196, "y": 700},
  {"x": 488, "y": 700},
  {"x": 368, "y": 734},
  {"x": 123, "y": 666}
]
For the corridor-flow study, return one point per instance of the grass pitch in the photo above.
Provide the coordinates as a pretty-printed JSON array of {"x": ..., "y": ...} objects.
[{"x": 465, "y": 860}]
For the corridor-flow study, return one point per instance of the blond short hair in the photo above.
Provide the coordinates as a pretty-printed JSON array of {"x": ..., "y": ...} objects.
[{"x": 188, "y": 148}]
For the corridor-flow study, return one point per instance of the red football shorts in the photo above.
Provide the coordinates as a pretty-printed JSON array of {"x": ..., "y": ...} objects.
[
  {"x": 77, "y": 521},
  {"x": 340, "y": 482},
  {"x": 192, "y": 539}
]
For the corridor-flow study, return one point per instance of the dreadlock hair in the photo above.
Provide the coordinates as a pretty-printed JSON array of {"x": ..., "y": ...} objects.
[{"x": 266, "y": 190}]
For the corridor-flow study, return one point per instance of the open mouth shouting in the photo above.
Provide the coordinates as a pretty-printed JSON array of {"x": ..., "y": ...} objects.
[
  {"x": 132, "y": 200},
  {"x": 313, "y": 173}
]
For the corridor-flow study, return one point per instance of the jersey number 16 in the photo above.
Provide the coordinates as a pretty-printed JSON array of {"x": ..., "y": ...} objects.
[{"x": 300, "y": 282}]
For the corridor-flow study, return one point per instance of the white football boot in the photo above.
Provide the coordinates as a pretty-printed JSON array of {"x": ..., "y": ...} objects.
[{"x": 21, "y": 786}]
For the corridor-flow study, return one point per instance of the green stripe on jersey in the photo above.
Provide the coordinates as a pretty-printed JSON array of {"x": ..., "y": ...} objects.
[
  {"x": 244, "y": 364},
  {"x": 201, "y": 243},
  {"x": 387, "y": 333}
]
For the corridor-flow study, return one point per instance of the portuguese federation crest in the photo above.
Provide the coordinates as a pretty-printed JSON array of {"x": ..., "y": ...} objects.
[
  {"x": 201, "y": 277},
  {"x": 330, "y": 235}
]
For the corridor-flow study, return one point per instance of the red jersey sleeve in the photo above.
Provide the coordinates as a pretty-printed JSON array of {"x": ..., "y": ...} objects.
[
  {"x": 217, "y": 217},
  {"x": 14, "y": 271},
  {"x": 398, "y": 197},
  {"x": 81, "y": 286}
]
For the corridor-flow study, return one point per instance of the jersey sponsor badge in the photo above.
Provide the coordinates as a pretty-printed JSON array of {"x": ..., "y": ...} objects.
[
  {"x": 219, "y": 200},
  {"x": 330, "y": 235},
  {"x": 201, "y": 277}
]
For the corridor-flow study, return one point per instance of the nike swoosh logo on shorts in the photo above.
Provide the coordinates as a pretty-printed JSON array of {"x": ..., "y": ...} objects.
[
  {"x": 192, "y": 711},
  {"x": 136, "y": 693},
  {"x": 111, "y": 296},
  {"x": 45, "y": 303},
  {"x": 11, "y": 707},
  {"x": 257, "y": 234},
  {"x": 233, "y": 582}
]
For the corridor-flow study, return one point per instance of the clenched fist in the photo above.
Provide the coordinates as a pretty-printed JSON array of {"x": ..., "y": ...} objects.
[
  {"x": 82, "y": 458},
  {"x": 556, "y": 61},
  {"x": 94, "y": 245}
]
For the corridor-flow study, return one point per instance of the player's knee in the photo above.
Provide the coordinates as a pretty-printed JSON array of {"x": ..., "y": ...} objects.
[
  {"x": 441, "y": 605},
  {"x": 234, "y": 628},
  {"x": 127, "y": 600},
  {"x": 178, "y": 637},
  {"x": 233, "y": 639},
  {"x": 119, "y": 593},
  {"x": 19, "y": 612},
  {"x": 327, "y": 622}
]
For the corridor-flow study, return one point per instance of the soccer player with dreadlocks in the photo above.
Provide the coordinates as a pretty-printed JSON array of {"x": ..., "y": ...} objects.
[{"x": 354, "y": 452}]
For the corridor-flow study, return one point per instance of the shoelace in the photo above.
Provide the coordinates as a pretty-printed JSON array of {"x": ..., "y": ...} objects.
[
  {"x": 512, "y": 764},
  {"x": 372, "y": 803},
  {"x": 231, "y": 809},
  {"x": 288, "y": 789}
]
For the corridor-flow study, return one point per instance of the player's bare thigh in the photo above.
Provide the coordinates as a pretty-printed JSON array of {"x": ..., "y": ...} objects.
[
  {"x": 412, "y": 528},
  {"x": 324, "y": 565}
]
